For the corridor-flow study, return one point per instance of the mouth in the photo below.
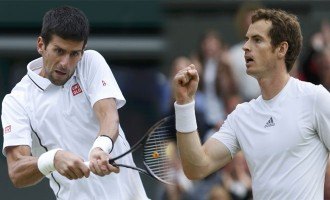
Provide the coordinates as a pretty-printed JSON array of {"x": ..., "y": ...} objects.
[
  {"x": 61, "y": 73},
  {"x": 248, "y": 59}
]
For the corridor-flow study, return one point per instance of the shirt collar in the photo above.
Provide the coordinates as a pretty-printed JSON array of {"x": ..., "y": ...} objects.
[{"x": 34, "y": 68}]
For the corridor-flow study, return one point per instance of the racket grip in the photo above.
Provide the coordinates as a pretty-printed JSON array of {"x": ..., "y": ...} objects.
[{"x": 111, "y": 162}]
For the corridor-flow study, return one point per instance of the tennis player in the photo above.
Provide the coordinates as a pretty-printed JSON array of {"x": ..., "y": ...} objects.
[
  {"x": 284, "y": 133},
  {"x": 64, "y": 112}
]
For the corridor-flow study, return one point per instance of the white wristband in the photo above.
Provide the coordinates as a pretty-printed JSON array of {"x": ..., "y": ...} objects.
[
  {"x": 46, "y": 162},
  {"x": 103, "y": 142},
  {"x": 185, "y": 118}
]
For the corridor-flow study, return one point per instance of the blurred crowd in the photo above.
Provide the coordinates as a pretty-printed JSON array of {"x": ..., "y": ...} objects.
[{"x": 224, "y": 84}]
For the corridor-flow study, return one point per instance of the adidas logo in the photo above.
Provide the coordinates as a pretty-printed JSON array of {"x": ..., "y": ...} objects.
[{"x": 270, "y": 123}]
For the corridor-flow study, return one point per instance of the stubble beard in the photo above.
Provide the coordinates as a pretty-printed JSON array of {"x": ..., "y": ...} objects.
[{"x": 59, "y": 82}]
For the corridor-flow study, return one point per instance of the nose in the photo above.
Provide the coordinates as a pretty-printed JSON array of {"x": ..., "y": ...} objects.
[
  {"x": 246, "y": 46},
  {"x": 65, "y": 59}
]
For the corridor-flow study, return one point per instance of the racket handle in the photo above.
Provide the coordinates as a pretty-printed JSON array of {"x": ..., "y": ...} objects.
[{"x": 113, "y": 163}]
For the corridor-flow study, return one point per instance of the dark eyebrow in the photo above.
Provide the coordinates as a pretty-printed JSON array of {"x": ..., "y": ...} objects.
[
  {"x": 58, "y": 47},
  {"x": 256, "y": 36},
  {"x": 78, "y": 51},
  {"x": 74, "y": 51}
]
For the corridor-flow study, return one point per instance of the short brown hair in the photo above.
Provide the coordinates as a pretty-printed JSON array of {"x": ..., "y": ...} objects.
[
  {"x": 67, "y": 22},
  {"x": 285, "y": 27}
]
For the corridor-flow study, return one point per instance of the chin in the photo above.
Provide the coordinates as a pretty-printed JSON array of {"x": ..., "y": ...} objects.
[
  {"x": 251, "y": 73},
  {"x": 59, "y": 82}
]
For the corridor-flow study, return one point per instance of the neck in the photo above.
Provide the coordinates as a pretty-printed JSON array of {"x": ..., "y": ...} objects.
[
  {"x": 270, "y": 87},
  {"x": 42, "y": 72}
]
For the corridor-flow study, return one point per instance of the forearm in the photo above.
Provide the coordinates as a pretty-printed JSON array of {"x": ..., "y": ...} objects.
[
  {"x": 24, "y": 172},
  {"x": 109, "y": 125},
  {"x": 107, "y": 115},
  {"x": 198, "y": 160},
  {"x": 193, "y": 158}
]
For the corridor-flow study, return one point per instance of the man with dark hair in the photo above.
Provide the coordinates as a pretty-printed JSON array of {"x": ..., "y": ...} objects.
[
  {"x": 64, "y": 112},
  {"x": 284, "y": 134}
]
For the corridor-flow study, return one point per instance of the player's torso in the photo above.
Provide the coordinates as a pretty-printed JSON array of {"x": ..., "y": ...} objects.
[
  {"x": 61, "y": 116},
  {"x": 281, "y": 145}
]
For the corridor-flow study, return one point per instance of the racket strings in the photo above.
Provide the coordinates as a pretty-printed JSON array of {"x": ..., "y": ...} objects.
[{"x": 158, "y": 155}]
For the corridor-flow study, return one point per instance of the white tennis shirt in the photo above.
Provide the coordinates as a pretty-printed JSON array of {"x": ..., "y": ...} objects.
[
  {"x": 285, "y": 140},
  {"x": 45, "y": 116}
]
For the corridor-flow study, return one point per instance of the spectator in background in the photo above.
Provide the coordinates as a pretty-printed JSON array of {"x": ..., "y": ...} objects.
[
  {"x": 324, "y": 67},
  {"x": 217, "y": 82},
  {"x": 233, "y": 180},
  {"x": 218, "y": 192},
  {"x": 236, "y": 178},
  {"x": 310, "y": 70},
  {"x": 201, "y": 189},
  {"x": 177, "y": 64},
  {"x": 327, "y": 182},
  {"x": 247, "y": 85},
  {"x": 181, "y": 183}
]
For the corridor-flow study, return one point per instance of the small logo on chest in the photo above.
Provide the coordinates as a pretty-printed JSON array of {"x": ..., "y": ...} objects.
[
  {"x": 270, "y": 123},
  {"x": 76, "y": 89},
  {"x": 7, "y": 129}
]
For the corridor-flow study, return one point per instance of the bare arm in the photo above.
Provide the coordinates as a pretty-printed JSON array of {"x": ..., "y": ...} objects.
[
  {"x": 22, "y": 168},
  {"x": 107, "y": 115},
  {"x": 198, "y": 161}
]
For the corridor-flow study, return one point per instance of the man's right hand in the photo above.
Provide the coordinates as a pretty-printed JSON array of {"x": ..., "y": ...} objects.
[
  {"x": 99, "y": 163},
  {"x": 185, "y": 84},
  {"x": 70, "y": 165}
]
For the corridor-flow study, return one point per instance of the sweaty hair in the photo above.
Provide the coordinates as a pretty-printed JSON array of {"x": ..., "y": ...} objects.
[
  {"x": 66, "y": 22},
  {"x": 285, "y": 28}
]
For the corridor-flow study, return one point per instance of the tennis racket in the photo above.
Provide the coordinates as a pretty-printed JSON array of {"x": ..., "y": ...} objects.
[{"x": 157, "y": 151}]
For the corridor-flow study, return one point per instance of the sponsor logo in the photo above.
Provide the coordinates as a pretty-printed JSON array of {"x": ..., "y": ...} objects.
[
  {"x": 76, "y": 89},
  {"x": 7, "y": 129},
  {"x": 270, "y": 123}
]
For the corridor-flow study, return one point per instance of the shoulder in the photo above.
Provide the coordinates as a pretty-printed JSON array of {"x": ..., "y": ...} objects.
[
  {"x": 304, "y": 89},
  {"x": 89, "y": 60},
  {"x": 91, "y": 55},
  {"x": 303, "y": 86},
  {"x": 19, "y": 94},
  {"x": 91, "y": 52},
  {"x": 242, "y": 109},
  {"x": 246, "y": 106}
]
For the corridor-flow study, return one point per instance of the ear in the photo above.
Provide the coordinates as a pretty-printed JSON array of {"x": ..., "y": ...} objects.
[
  {"x": 282, "y": 49},
  {"x": 40, "y": 45}
]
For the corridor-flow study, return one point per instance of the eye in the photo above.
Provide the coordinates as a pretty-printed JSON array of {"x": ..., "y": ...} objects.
[
  {"x": 257, "y": 40},
  {"x": 59, "y": 51},
  {"x": 75, "y": 54}
]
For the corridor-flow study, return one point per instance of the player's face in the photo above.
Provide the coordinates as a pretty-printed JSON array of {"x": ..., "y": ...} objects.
[
  {"x": 60, "y": 58},
  {"x": 260, "y": 56}
]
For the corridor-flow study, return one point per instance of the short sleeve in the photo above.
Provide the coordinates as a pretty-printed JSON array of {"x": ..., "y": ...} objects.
[
  {"x": 227, "y": 135},
  {"x": 98, "y": 79},
  {"x": 322, "y": 115},
  {"x": 15, "y": 123}
]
